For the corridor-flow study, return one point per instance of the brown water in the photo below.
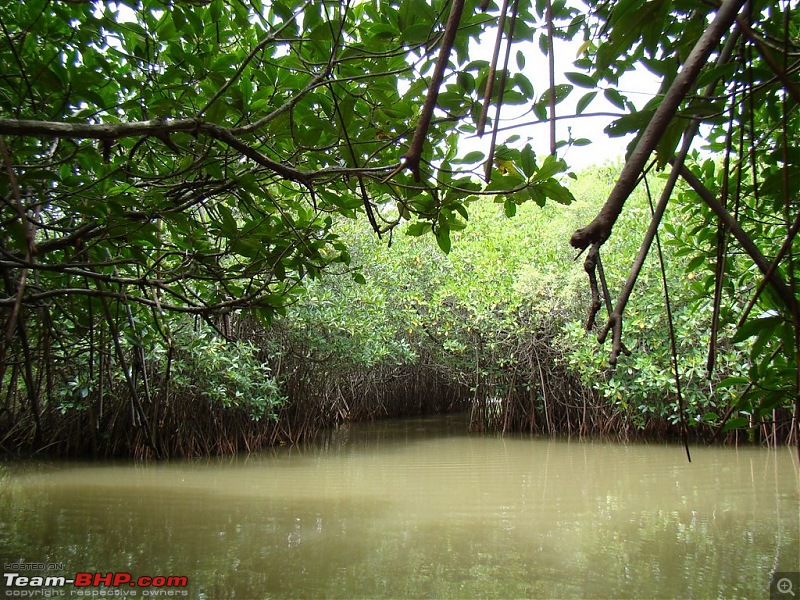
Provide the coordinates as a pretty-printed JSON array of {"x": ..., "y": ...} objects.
[{"x": 416, "y": 508}]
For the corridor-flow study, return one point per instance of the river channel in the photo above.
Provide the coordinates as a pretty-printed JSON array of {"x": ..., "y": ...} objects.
[{"x": 414, "y": 508}]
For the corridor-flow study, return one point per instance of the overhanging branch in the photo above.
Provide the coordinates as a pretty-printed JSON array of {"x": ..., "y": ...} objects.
[
  {"x": 778, "y": 284},
  {"x": 161, "y": 128},
  {"x": 600, "y": 228}
]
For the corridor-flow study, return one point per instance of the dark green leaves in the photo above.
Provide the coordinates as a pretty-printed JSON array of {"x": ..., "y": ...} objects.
[
  {"x": 581, "y": 79},
  {"x": 630, "y": 123},
  {"x": 562, "y": 90},
  {"x": 615, "y": 98},
  {"x": 443, "y": 238}
]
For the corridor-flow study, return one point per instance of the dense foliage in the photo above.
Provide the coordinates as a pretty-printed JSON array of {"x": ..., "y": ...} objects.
[
  {"x": 175, "y": 176},
  {"x": 164, "y": 159},
  {"x": 735, "y": 74},
  {"x": 503, "y": 315}
]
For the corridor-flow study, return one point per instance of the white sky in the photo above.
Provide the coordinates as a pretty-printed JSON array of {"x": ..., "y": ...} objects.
[{"x": 639, "y": 86}]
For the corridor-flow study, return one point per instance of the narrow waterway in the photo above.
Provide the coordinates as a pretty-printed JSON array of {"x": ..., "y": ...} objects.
[{"x": 417, "y": 508}]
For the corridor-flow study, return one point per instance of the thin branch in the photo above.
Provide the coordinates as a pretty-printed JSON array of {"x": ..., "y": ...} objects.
[
  {"x": 500, "y": 94},
  {"x": 551, "y": 69},
  {"x": 273, "y": 36},
  {"x": 487, "y": 94},
  {"x": 778, "y": 284},
  {"x": 414, "y": 154},
  {"x": 162, "y": 127},
  {"x": 673, "y": 345}
]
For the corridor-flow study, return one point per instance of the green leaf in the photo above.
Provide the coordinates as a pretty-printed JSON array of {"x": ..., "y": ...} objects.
[
  {"x": 537, "y": 195},
  {"x": 736, "y": 423},
  {"x": 581, "y": 79},
  {"x": 216, "y": 10},
  {"x": 633, "y": 122},
  {"x": 504, "y": 183},
  {"x": 550, "y": 167},
  {"x": 443, "y": 238},
  {"x": 466, "y": 82},
  {"x": 695, "y": 262},
  {"x": 733, "y": 381},
  {"x": 228, "y": 225},
  {"x": 668, "y": 143},
  {"x": 524, "y": 84},
  {"x": 416, "y": 34},
  {"x": 555, "y": 191},
  {"x": 543, "y": 44},
  {"x": 757, "y": 327},
  {"x": 562, "y": 90},
  {"x": 461, "y": 209},
  {"x": 528, "y": 161},
  {"x": 418, "y": 228},
  {"x": 475, "y": 156},
  {"x": 613, "y": 96},
  {"x": 584, "y": 102},
  {"x": 540, "y": 110}
]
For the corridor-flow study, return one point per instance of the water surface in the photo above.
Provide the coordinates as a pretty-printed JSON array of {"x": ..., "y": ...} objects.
[{"x": 419, "y": 509}]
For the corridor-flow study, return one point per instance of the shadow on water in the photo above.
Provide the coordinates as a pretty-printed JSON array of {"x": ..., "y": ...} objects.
[{"x": 419, "y": 508}]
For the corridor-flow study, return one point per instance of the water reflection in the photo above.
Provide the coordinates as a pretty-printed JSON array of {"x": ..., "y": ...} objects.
[{"x": 417, "y": 508}]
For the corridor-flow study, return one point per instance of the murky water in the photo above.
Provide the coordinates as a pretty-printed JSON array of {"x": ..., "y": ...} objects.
[{"x": 416, "y": 508}]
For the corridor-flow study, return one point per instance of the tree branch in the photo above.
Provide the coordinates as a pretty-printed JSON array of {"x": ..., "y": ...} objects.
[
  {"x": 414, "y": 154},
  {"x": 789, "y": 85},
  {"x": 600, "y": 228},
  {"x": 163, "y": 127},
  {"x": 157, "y": 128},
  {"x": 778, "y": 284}
]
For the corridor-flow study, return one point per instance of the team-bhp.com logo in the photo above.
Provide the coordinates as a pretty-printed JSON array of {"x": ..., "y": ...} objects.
[{"x": 22, "y": 586}]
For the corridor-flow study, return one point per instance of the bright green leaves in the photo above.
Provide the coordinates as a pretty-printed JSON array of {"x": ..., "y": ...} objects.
[
  {"x": 528, "y": 180},
  {"x": 418, "y": 228}
]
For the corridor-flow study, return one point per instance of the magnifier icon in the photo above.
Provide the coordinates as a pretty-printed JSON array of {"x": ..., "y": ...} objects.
[{"x": 784, "y": 586}]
